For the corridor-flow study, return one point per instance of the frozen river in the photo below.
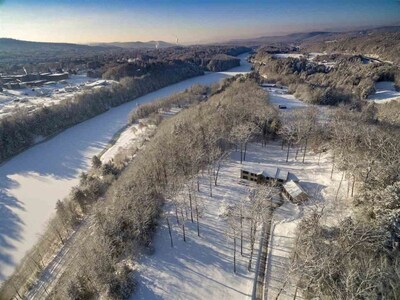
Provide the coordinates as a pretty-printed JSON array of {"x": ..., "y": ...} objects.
[{"x": 32, "y": 182}]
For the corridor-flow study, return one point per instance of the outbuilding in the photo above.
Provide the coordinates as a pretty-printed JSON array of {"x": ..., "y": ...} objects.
[
  {"x": 268, "y": 174},
  {"x": 294, "y": 192}
]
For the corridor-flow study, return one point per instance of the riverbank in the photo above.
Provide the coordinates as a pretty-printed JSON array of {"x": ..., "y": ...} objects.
[{"x": 32, "y": 181}]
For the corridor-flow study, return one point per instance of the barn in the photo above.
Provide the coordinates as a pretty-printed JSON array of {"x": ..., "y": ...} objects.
[{"x": 294, "y": 192}]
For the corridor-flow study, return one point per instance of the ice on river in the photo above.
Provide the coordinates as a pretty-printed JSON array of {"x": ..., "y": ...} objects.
[{"x": 32, "y": 182}]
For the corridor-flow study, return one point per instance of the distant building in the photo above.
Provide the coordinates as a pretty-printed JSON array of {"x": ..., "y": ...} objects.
[
  {"x": 294, "y": 192},
  {"x": 54, "y": 77}
]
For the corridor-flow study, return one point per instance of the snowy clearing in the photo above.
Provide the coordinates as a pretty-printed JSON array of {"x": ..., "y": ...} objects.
[
  {"x": 385, "y": 92},
  {"x": 287, "y": 55},
  {"x": 32, "y": 182},
  {"x": 201, "y": 268},
  {"x": 281, "y": 96}
]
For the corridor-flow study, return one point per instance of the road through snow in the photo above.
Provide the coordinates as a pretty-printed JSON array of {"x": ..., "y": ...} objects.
[{"x": 32, "y": 182}]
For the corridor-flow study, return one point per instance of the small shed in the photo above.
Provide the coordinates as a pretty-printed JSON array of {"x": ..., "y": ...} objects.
[{"x": 294, "y": 192}]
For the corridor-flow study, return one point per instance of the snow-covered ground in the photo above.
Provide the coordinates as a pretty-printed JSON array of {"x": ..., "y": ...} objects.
[
  {"x": 48, "y": 94},
  {"x": 281, "y": 96},
  {"x": 315, "y": 179},
  {"x": 287, "y": 55},
  {"x": 32, "y": 182},
  {"x": 126, "y": 140},
  {"x": 201, "y": 268},
  {"x": 385, "y": 92}
]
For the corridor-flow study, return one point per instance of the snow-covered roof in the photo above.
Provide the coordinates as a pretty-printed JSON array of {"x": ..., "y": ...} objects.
[
  {"x": 272, "y": 172},
  {"x": 294, "y": 189}
]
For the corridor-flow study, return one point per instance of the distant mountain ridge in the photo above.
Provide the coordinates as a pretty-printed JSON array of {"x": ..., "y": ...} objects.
[
  {"x": 311, "y": 36},
  {"x": 137, "y": 44}
]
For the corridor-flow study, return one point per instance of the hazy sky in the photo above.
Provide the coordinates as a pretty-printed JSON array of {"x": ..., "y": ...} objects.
[{"x": 84, "y": 21}]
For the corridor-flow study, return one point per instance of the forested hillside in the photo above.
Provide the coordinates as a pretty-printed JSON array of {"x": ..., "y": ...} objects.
[
  {"x": 385, "y": 45},
  {"x": 359, "y": 257},
  {"x": 349, "y": 80}
]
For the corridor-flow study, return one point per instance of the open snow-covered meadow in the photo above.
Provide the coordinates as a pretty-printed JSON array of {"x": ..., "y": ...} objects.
[
  {"x": 32, "y": 182},
  {"x": 202, "y": 267}
]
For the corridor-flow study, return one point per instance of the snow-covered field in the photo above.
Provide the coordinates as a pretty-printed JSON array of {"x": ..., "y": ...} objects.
[
  {"x": 385, "y": 92},
  {"x": 201, "y": 268},
  {"x": 32, "y": 182},
  {"x": 48, "y": 94}
]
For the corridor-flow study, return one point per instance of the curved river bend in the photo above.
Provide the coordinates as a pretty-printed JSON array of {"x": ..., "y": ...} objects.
[{"x": 32, "y": 182}]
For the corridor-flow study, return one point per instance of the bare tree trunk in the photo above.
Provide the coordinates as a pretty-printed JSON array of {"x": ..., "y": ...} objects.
[
  {"x": 295, "y": 292},
  {"x": 176, "y": 214},
  {"x": 210, "y": 181},
  {"x": 352, "y": 187},
  {"x": 333, "y": 166},
  {"x": 170, "y": 233},
  {"x": 252, "y": 242},
  {"x": 197, "y": 219},
  {"x": 241, "y": 231},
  {"x": 340, "y": 184},
  {"x": 198, "y": 184},
  {"x": 241, "y": 153},
  {"x": 234, "y": 254},
  {"x": 17, "y": 292},
  {"x": 245, "y": 151},
  {"x": 305, "y": 150},
  {"x": 287, "y": 155},
  {"x": 190, "y": 203},
  {"x": 59, "y": 235},
  {"x": 183, "y": 226},
  {"x": 217, "y": 173},
  {"x": 297, "y": 152}
]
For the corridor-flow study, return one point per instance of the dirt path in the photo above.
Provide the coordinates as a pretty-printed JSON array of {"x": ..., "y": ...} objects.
[{"x": 262, "y": 263}]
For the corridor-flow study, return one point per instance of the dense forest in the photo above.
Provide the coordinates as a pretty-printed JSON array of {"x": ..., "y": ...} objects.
[
  {"x": 350, "y": 80},
  {"x": 359, "y": 257},
  {"x": 71, "y": 57},
  {"x": 384, "y": 45}
]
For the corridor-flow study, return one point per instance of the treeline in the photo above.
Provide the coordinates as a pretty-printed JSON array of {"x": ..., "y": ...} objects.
[
  {"x": 19, "y": 131},
  {"x": 112, "y": 62},
  {"x": 208, "y": 58},
  {"x": 359, "y": 257},
  {"x": 348, "y": 81},
  {"x": 184, "y": 145},
  {"x": 385, "y": 45}
]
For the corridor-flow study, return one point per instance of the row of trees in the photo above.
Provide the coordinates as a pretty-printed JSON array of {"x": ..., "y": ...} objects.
[
  {"x": 192, "y": 142},
  {"x": 358, "y": 258}
]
